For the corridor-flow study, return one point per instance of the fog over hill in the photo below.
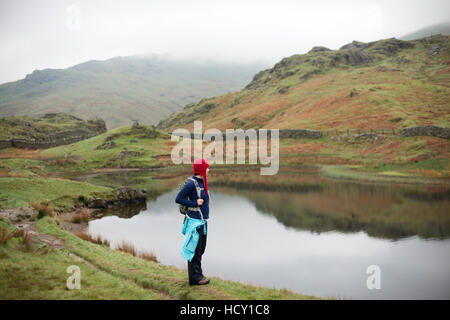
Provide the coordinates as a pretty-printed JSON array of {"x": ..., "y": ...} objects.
[
  {"x": 389, "y": 84},
  {"x": 442, "y": 28},
  {"x": 123, "y": 89}
]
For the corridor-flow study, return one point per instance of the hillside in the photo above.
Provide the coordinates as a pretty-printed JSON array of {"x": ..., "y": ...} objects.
[
  {"x": 50, "y": 130},
  {"x": 122, "y": 89},
  {"x": 389, "y": 84}
]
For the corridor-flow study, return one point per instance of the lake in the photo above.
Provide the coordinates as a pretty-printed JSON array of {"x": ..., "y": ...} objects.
[{"x": 318, "y": 240}]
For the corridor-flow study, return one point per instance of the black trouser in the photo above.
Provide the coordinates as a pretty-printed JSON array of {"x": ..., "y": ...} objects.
[{"x": 195, "y": 266}]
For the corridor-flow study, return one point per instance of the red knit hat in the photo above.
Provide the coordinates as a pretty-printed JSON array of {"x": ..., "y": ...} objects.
[{"x": 200, "y": 165}]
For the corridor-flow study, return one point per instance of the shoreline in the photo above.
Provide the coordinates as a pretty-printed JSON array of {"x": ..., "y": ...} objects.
[
  {"x": 327, "y": 171},
  {"x": 344, "y": 173},
  {"x": 51, "y": 247}
]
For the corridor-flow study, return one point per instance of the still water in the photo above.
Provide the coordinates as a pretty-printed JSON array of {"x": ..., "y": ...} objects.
[{"x": 318, "y": 242}]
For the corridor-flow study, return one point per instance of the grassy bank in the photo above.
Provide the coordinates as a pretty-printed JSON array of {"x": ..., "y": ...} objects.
[
  {"x": 124, "y": 147},
  {"x": 385, "y": 174},
  {"x": 60, "y": 193},
  {"x": 39, "y": 272}
]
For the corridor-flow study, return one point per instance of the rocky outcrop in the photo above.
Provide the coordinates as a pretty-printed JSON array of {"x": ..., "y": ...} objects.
[
  {"x": 354, "y": 45},
  {"x": 435, "y": 44},
  {"x": 389, "y": 47},
  {"x": 352, "y": 57},
  {"x": 434, "y": 131},
  {"x": 106, "y": 145},
  {"x": 122, "y": 196},
  {"x": 319, "y": 49},
  {"x": 122, "y": 160},
  {"x": 50, "y": 130},
  {"x": 435, "y": 49}
]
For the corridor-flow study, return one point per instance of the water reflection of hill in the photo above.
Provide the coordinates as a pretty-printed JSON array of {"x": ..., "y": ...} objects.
[
  {"x": 303, "y": 200},
  {"x": 383, "y": 211}
]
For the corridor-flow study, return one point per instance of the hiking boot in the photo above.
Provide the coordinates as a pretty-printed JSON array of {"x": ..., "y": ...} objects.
[{"x": 203, "y": 281}]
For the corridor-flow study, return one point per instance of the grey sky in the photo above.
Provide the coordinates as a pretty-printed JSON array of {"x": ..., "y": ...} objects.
[{"x": 38, "y": 34}]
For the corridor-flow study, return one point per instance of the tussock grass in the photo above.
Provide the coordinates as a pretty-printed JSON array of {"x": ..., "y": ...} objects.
[
  {"x": 43, "y": 209},
  {"x": 126, "y": 246},
  {"x": 25, "y": 241},
  {"x": 81, "y": 216},
  {"x": 23, "y": 236},
  {"x": 150, "y": 256},
  {"x": 88, "y": 237},
  {"x": 5, "y": 235}
]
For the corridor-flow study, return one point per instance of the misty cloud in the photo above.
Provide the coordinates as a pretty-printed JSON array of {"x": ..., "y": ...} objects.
[{"x": 38, "y": 34}]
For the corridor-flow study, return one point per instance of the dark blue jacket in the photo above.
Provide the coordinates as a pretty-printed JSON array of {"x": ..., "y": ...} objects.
[{"x": 190, "y": 191}]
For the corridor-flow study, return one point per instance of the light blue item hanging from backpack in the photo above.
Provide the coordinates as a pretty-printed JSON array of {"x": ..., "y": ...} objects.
[{"x": 191, "y": 237}]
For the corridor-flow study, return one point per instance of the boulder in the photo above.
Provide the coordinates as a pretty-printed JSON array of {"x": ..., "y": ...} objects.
[
  {"x": 319, "y": 49},
  {"x": 354, "y": 45},
  {"x": 106, "y": 145},
  {"x": 352, "y": 57},
  {"x": 122, "y": 196}
]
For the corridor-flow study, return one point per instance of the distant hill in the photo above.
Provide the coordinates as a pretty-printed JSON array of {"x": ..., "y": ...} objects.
[
  {"x": 388, "y": 84},
  {"x": 442, "y": 28},
  {"x": 123, "y": 89}
]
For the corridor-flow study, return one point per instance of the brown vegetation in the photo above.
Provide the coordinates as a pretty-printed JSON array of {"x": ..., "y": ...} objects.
[
  {"x": 62, "y": 162},
  {"x": 88, "y": 237},
  {"x": 43, "y": 209},
  {"x": 19, "y": 153},
  {"x": 129, "y": 248},
  {"x": 23, "y": 235},
  {"x": 5, "y": 235},
  {"x": 6, "y": 173},
  {"x": 81, "y": 216}
]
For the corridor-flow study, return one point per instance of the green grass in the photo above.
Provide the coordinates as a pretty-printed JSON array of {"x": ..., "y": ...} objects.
[
  {"x": 60, "y": 193},
  {"x": 107, "y": 274},
  {"x": 89, "y": 157},
  {"x": 137, "y": 180},
  {"x": 42, "y": 274},
  {"x": 388, "y": 174},
  {"x": 23, "y": 167},
  {"x": 429, "y": 164}
]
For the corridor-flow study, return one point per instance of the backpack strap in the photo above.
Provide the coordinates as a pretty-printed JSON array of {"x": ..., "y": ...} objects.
[
  {"x": 197, "y": 187},
  {"x": 199, "y": 195}
]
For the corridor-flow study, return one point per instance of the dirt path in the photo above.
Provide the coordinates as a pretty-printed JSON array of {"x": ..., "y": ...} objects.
[{"x": 25, "y": 219}]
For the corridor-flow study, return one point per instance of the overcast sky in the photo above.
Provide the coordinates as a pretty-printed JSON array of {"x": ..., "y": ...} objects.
[{"x": 39, "y": 34}]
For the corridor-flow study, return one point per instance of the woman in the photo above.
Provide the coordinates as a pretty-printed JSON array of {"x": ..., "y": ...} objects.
[{"x": 195, "y": 225}]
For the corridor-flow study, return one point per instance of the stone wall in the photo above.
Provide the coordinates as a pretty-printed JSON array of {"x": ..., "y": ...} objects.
[
  {"x": 48, "y": 142},
  {"x": 434, "y": 131},
  {"x": 284, "y": 133},
  {"x": 300, "y": 133}
]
